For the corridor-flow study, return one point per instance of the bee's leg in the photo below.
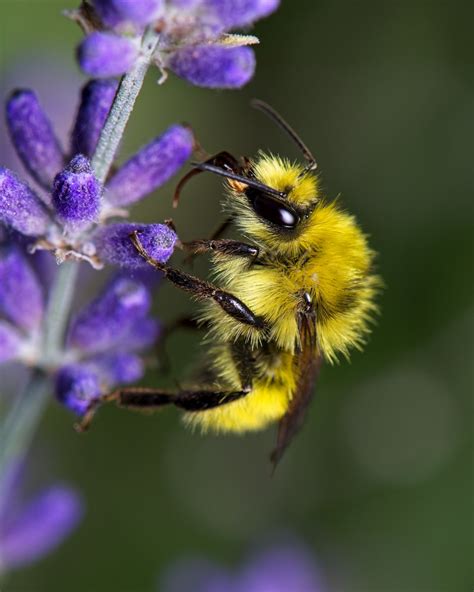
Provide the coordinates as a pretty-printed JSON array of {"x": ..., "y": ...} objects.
[
  {"x": 223, "y": 246},
  {"x": 203, "y": 290},
  {"x": 150, "y": 399},
  {"x": 244, "y": 360}
]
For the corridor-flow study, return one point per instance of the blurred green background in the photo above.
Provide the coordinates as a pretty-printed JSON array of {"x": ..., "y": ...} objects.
[{"x": 379, "y": 482}]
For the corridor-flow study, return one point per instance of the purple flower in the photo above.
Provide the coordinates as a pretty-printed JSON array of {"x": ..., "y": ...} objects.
[
  {"x": 21, "y": 295},
  {"x": 282, "y": 568},
  {"x": 151, "y": 167},
  {"x": 71, "y": 219},
  {"x": 33, "y": 137},
  {"x": 96, "y": 99},
  {"x": 127, "y": 14},
  {"x": 105, "y": 54},
  {"x": 236, "y": 14},
  {"x": 10, "y": 342},
  {"x": 77, "y": 386},
  {"x": 20, "y": 208},
  {"x": 214, "y": 66},
  {"x": 108, "y": 319},
  {"x": 193, "y": 39},
  {"x": 76, "y": 194},
  {"x": 104, "y": 338},
  {"x": 119, "y": 367},
  {"x": 30, "y": 531},
  {"x": 114, "y": 245}
]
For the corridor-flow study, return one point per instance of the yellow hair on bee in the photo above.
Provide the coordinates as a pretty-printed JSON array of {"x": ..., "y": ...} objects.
[
  {"x": 284, "y": 175},
  {"x": 267, "y": 403}
]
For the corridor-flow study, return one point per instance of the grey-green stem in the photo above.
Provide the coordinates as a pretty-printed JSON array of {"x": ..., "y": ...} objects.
[{"x": 122, "y": 107}]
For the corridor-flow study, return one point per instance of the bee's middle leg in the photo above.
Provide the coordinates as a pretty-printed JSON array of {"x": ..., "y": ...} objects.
[{"x": 202, "y": 290}]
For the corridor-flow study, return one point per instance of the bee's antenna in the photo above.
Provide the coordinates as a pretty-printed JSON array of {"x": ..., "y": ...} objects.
[
  {"x": 278, "y": 119},
  {"x": 204, "y": 166}
]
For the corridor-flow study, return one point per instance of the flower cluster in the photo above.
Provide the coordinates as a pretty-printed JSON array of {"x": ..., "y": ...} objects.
[
  {"x": 281, "y": 568},
  {"x": 194, "y": 40},
  {"x": 70, "y": 210},
  {"x": 31, "y": 529},
  {"x": 103, "y": 341}
]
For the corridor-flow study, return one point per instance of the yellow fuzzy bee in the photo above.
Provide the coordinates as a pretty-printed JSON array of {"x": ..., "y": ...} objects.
[{"x": 298, "y": 289}]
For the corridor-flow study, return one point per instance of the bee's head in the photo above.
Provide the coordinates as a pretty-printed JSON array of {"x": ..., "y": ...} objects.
[
  {"x": 278, "y": 198},
  {"x": 269, "y": 197}
]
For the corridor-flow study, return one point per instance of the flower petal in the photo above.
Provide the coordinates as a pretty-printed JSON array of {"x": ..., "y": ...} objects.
[
  {"x": 118, "y": 368},
  {"x": 102, "y": 324},
  {"x": 20, "y": 208},
  {"x": 120, "y": 13},
  {"x": 21, "y": 296},
  {"x": 10, "y": 342},
  {"x": 151, "y": 167},
  {"x": 96, "y": 99},
  {"x": 114, "y": 244},
  {"x": 77, "y": 194},
  {"x": 42, "y": 525},
  {"x": 77, "y": 386},
  {"x": 282, "y": 568},
  {"x": 33, "y": 137},
  {"x": 241, "y": 13},
  {"x": 214, "y": 66},
  {"x": 106, "y": 54},
  {"x": 143, "y": 333}
]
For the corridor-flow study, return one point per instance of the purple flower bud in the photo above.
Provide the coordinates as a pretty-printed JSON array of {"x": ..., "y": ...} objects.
[
  {"x": 151, "y": 167},
  {"x": 10, "y": 342},
  {"x": 39, "y": 527},
  {"x": 106, "y": 320},
  {"x": 285, "y": 567},
  {"x": 142, "y": 334},
  {"x": 214, "y": 66},
  {"x": 106, "y": 54},
  {"x": 77, "y": 386},
  {"x": 33, "y": 137},
  {"x": 241, "y": 13},
  {"x": 96, "y": 99},
  {"x": 21, "y": 297},
  {"x": 119, "y": 368},
  {"x": 120, "y": 13},
  {"x": 114, "y": 243},
  {"x": 20, "y": 208},
  {"x": 76, "y": 194}
]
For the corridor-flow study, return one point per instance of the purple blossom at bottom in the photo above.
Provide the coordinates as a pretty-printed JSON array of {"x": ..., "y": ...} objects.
[
  {"x": 105, "y": 338},
  {"x": 32, "y": 529},
  {"x": 281, "y": 568}
]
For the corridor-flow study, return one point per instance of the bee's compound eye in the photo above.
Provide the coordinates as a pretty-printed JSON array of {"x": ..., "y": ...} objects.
[{"x": 272, "y": 210}]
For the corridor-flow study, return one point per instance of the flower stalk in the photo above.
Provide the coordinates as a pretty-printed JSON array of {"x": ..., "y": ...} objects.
[{"x": 122, "y": 108}]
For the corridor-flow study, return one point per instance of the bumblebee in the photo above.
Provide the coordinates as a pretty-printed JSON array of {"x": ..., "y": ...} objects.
[{"x": 297, "y": 290}]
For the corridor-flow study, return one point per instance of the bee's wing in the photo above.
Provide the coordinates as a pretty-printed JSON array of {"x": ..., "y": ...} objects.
[{"x": 308, "y": 363}]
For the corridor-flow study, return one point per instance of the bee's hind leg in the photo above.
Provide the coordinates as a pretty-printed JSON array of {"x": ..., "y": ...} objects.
[{"x": 141, "y": 398}]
